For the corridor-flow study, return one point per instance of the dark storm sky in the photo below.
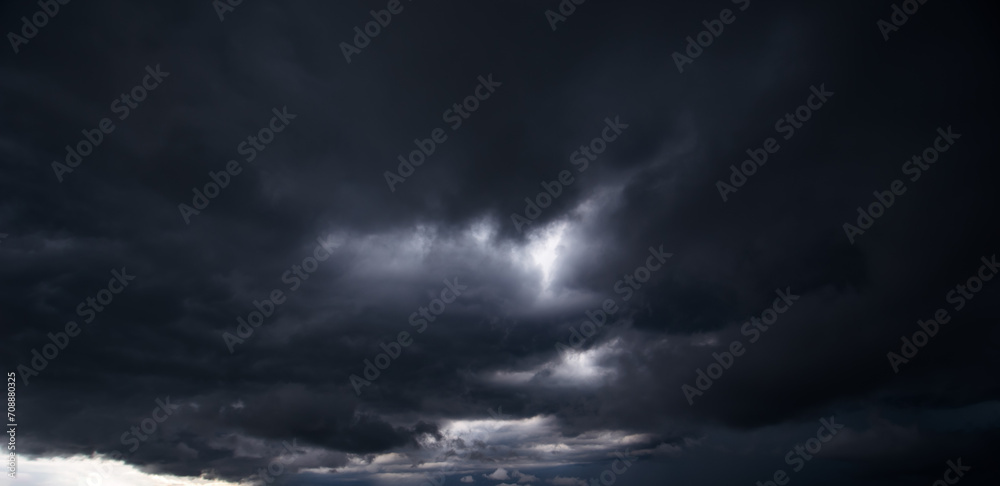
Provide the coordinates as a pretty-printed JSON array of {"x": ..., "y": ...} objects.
[{"x": 493, "y": 347}]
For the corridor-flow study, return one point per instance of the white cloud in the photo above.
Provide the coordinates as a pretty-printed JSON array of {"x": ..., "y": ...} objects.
[
  {"x": 498, "y": 475},
  {"x": 544, "y": 249},
  {"x": 524, "y": 478},
  {"x": 60, "y": 471},
  {"x": 467, "y": 479}
]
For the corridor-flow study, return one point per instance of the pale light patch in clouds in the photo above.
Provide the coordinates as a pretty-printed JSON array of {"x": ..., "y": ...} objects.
[
  {"x": 62, "y": 471},
  {"x": 498, "y": 475},
  {"x": 483, "y": 231},
  {"x": 380, "y": 463},
  {"x": 497, "y": 431},
  {"x": 584, "y": 368},
  {"x": 382, "y": 263},
  {"x": 544, "y": 248},
  {"x": 577, "y": 369},
  {"x": 523, "y": 478},
  {"x": 404, "y": 251},
  {"x": 515, "y": 443}
]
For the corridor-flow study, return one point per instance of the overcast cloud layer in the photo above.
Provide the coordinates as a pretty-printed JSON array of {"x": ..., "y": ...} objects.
[{"x": 654, "y": 238}]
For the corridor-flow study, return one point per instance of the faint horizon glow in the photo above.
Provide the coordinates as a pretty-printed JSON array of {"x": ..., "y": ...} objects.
[{"x": 75, "y": 470}]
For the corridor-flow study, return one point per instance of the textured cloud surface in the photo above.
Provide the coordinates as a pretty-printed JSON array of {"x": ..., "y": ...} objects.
[{"x": 495, "y": 243}]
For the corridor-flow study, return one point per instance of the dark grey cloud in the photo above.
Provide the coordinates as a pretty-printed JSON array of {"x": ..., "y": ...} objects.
[{"x": 483, "y": 386}]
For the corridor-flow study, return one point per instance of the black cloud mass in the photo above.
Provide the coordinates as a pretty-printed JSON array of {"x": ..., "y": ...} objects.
[{"x": 557, "y": 243}]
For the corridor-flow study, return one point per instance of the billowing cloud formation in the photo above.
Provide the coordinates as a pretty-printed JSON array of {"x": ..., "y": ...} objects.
[
  {"x": 588, "y": 270},
  {"x": 499, "y": 475}
]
